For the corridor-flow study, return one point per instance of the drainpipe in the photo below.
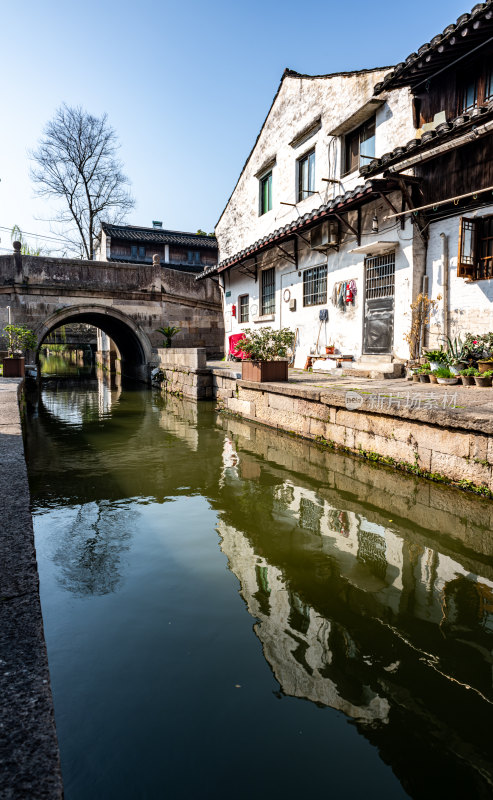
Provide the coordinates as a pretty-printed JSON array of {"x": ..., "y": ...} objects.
[{"x": 445, "y": 268}]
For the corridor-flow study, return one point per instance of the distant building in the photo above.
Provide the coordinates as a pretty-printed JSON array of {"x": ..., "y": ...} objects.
[{"x": 179, "y": 250}]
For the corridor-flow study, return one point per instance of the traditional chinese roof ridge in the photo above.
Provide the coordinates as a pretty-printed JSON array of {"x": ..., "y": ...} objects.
[
  {"x": 458, "y": 38},
  {"x": 134, "y": 233},
  {"x": 337, "y": 204},
  {"x": 429, "y": 139},
  {"x": 291, "y": 73}
]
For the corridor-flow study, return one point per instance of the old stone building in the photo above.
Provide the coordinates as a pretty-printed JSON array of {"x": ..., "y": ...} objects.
[
  {"x": 303, "y": 233},
  {"x": 450, "y": 155},
  {"x": 178, "y": 250}
]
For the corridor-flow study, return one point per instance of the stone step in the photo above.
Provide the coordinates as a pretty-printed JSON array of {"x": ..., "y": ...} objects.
[{"x": 375, "y": 369}]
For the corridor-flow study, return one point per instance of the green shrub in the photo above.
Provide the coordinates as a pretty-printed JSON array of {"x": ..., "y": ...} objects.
[
  {"x": 470, "y": 372},
  {"x": 443, "y": 372}
]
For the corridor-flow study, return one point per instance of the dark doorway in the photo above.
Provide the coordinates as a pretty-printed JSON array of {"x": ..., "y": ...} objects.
[{"x": 378, "y": 326}]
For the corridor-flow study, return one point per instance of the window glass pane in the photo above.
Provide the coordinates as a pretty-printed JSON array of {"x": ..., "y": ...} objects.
[
  {"x": 470, "y": 95},
  {"x": 268, "y": 291},
  {"x": 311, "y": 172},
  {"x": 488, "y": 89},
  {"x": 266, "y": 193},
  {"x": 367, "y": 141},
  {"x": 244, "y": 308}
]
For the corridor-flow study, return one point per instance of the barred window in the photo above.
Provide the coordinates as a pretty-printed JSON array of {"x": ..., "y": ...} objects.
[
  {"x": 268, "y": 291},
  {"x": 380, "y": 276},
  {"x": 243, "y": 314},
  {"x": 315, "y": 286}
]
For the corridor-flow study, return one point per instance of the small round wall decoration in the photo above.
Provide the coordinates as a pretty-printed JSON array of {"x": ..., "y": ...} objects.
[
  {"x": 253, "y": 310},
  {"x": 286, "y": 295}
]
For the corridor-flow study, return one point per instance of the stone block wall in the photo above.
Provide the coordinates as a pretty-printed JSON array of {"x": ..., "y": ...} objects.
[{"x": 444, "y": 447}]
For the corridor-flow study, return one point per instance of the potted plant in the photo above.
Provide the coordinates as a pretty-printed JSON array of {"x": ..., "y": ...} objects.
[
  {"x": 445, "y": 376},
  {"x": 484, "y": 379},
  {"x": 437, "y": 358},
  {"x": 168, "y": 334},
  {"x": 424, "y": 373},
  {"x": 468, "y": 375},
  {"x": 266, "y": 350},
  {"x": 19, "y": 340},
  {"x": 456, "y": 355}
]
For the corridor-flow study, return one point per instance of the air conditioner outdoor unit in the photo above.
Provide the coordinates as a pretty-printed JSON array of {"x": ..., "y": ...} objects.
[{"x": 324, "y": 236}]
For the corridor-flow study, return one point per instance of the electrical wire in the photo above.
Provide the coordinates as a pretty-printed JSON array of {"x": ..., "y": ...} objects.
[{"x": 37, "y": 235}]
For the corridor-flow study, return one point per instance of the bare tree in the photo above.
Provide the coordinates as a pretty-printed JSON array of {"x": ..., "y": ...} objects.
[{"x": 77, "y": 162}]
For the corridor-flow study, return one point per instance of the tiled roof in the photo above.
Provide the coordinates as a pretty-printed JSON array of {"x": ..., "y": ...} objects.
[
  {"x": 132, "y": 233},
  {"x": 430, "y": 139},
  {"x": 457, "y": 39},
  {"x": 339, "y": 204}
]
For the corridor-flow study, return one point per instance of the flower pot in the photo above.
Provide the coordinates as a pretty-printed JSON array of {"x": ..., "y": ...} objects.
[
  {"x": 485, "y": 366},
  {"x": 330, "y": 349},
  {"x": 262, "y": 371},
  {"x": 447, "y": 381},
  {"x": 457, "y": 367},
  {"x": 424, "y": 378},
  {"x": 479, "y": 381},
  {"x": 467, "y": 380},
  {"x": 416, "y": 378},
  {"x": 13, "y": 367},
  {"x": 435, "y": 364},
  {"x": 433, "y": 378}
]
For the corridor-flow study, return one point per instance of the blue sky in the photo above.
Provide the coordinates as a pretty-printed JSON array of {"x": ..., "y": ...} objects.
[{"x": 186, "y": 85}]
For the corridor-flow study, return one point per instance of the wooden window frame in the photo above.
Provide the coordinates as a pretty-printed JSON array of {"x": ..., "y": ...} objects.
[
  {"x": 471, "y": 240},
  {"x": 241, "y": 298},
  {"x": 262, "y": 182},
  {"x": 264, "y": 312},
  {"x": 482, "y": 74},
  {"x": 301, "y": 193},
  {"x": 349, "y": 137}
]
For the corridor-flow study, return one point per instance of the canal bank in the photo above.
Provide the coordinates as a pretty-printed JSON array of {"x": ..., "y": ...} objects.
[
  {"x": 439, "y": 432},
  {"x": 30, "y": 766}
]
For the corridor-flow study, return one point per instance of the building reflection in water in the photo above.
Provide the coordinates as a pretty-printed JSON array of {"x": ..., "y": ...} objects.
[{"x": 385, "y": 624}]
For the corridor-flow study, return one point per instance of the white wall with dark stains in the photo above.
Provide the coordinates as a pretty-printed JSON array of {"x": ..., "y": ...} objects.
[
  {"x": 470, "y": 303},
  {"x": 300, "y": 102},
  {"x": 344, "y": 328}
]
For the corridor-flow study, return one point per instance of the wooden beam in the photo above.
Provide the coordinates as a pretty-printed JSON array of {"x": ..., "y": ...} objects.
[
  {"x": 344, "y": 222},
  {"x": 289, "y": 256},
  {"x": 393, "y": 208},
  {"x": 409, "y": 201}
]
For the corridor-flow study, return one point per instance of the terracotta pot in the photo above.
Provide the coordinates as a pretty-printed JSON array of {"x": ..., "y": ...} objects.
[
  {"x": 13, "y": 367},
  {"x": 485, "y": 366},
  {"x": 433, "y": 378},
  {"x": 415, "y": 378},
  {"x": 479, "y": 381},
  {"x": 262, "y": 371},
  {"x": 424, "y": 378},
  {"x": 330, "y": 349},
  {"x": 467, "y": 380}
]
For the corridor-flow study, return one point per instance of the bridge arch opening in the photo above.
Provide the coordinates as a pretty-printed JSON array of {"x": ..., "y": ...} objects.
[{"x": 133, "y": 345}]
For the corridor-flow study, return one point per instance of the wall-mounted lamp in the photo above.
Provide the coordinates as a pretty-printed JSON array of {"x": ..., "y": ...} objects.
[{"x": 374, "y": 224}]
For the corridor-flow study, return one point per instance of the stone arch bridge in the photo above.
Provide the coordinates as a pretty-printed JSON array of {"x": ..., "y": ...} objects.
[{"x": 126, "y": 301}]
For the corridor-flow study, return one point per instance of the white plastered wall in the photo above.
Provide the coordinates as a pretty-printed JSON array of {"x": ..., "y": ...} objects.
[{"x": 470, "y": 304}]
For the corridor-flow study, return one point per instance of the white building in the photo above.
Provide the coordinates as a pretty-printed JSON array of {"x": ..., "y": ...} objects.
[{"x": 302, "y": 227}]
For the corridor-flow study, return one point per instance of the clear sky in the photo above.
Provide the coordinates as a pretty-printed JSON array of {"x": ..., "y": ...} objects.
[{"x": 186, "y": 85}]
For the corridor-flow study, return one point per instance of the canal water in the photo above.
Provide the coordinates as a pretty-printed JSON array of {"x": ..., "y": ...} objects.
[{"x": 234, "y": 613}]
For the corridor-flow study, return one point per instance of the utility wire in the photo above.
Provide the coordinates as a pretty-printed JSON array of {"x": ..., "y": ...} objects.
[{"x": 37, "y": 235}]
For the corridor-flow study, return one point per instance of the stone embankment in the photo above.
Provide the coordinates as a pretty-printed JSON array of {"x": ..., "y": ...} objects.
[
  {"x": 29, "y": 757},
  {"x": 439, "y": 432}
]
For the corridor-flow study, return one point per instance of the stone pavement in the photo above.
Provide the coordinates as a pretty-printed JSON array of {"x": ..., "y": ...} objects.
[{"x": 29, "y": 758}]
